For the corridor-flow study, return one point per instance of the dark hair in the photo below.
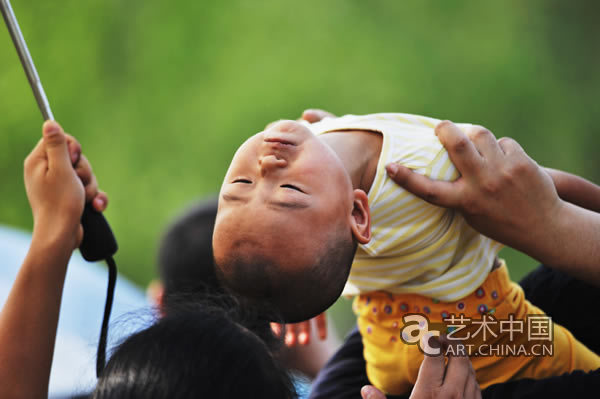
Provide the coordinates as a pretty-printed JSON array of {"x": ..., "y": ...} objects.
[
  {"x": 197, "y": 351},
  {"x": 185, "y": 256},
  {"x": 294, "y": 295}
]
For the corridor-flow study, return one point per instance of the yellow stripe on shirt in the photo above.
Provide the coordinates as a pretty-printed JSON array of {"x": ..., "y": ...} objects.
[{"x": 416, "y": 247}]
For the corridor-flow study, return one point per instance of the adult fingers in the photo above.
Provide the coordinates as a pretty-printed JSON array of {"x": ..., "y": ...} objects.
[
  {"x": 472, "y": 390},
  {"x": 485, "y": 142},
  {"x": 39, "y": 151},
  {"x": 321, "y": 322},
  {"x": 36, "y": 158},
  {"x": 516, "y": 162},
  {"x": 303, "y": 329},
  {"x": 370, "y": 392},
  {"x": 290, "y": 335},
  {"x": 87, "y": 177},
  {"x": 100, "y": 201},
  {"x": 437, "y": 192},
  {"x": 510, "y": 146},
  {"x": 315, "y": 115},
  {"x": 55, "y": 143},
  {"x": 431, "y": 372},
  {"x": 460, "y": 149},
  {"x": 277, "y": 329},
  {"x": 91, "y": 189},
  {"x": 458, "y": 371},
  {"x": 84, "y": 170},
  {"x": 74, "y": 148}
]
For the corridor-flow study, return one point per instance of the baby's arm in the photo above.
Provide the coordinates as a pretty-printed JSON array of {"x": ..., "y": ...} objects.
[
  {"x": 576, "y": 190},
  {"x": 54, "y": 173}
]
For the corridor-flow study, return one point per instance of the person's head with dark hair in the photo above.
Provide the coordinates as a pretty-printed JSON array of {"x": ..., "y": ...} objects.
[
  {"x": 197, "y": 351},
  {"x": 289, "y": 221},
  {"x": 185, "y": 257},
  {"x": 185, "y": 265}
]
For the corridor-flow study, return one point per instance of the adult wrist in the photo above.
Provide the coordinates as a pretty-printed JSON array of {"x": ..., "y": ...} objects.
[
  {"x": 573, "y": 243},
  {"x": 55, "y": 239}
]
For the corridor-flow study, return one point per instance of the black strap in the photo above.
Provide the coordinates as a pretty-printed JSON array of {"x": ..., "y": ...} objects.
[{"x": 110, "y": 293}]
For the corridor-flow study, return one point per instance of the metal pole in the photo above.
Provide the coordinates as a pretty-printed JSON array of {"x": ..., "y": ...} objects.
[{"x": 26, "y": 60}]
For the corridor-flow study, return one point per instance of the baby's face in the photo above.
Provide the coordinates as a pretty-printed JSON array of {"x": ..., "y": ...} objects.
[{"x": 285, "y": 191}]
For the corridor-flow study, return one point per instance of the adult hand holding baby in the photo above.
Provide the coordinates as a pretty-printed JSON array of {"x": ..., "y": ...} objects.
[
  {"x": 507, "y": 196},
  {"x": 438, "y": 380},
  {"x": 488, "y": 194}
]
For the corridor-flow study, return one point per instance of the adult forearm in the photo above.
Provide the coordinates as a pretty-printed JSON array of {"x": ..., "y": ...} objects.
[
  {"x": 29, "y": 319},
  {"x": 573, "y": 243},
  {"x": 58, "y": 181},
  {"x": 575, "y": 189}
]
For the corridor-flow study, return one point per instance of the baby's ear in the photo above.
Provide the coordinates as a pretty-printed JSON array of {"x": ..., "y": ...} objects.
[{"x": 360, "y": 220}]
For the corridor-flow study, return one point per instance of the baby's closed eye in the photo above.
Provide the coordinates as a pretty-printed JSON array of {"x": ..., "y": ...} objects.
[{"x": 290, "y": 186}]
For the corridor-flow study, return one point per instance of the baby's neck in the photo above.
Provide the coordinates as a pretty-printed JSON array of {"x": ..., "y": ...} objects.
[{"x": 359, "y": 152}]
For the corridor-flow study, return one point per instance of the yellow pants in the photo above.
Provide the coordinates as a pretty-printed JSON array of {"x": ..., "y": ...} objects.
[{"x": 536, "y": 348}]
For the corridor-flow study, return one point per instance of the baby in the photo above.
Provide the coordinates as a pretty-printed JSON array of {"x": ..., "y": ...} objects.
[{"x": 306, "y": 210}]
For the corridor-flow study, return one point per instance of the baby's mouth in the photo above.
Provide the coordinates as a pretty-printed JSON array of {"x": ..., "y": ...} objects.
[{"x": 279, "y": 140}]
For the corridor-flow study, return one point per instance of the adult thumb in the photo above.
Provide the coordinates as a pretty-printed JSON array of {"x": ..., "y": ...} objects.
[
  {"x": 55, "y": 143},
  {"x": 431, "y": 372},
  {"x": 370, "y": 392}
]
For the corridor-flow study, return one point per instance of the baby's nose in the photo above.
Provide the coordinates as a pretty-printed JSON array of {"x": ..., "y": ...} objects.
[{"x": 268, "y": 163}]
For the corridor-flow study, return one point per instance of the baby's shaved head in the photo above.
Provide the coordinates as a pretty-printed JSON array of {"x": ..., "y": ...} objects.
[
  {"x": 297, "y": 292},
  {"x": 287, "y": 221}
]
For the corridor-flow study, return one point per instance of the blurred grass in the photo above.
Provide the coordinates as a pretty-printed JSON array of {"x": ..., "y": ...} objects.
[{"x": 160, "y": 94}]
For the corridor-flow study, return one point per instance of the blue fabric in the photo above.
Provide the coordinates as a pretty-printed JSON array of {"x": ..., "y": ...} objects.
[{"x": 302, "y": 385}]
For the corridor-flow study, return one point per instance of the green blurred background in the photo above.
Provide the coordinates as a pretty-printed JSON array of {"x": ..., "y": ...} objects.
[{"x": 160, "y": 93}]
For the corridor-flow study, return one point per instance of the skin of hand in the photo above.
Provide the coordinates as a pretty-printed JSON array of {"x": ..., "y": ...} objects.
[
  {"x": 438, "y": 380},
  {"x": 316, "y": 115},
  {"x": 58, "y": 180},
  {"x": 576, "y": 190},
  {"x": 487, "y": 167},
  {"x": 300, "y": 332},
  {"x": 312, "y": 349},
  {"x": 505, "y": 195}
]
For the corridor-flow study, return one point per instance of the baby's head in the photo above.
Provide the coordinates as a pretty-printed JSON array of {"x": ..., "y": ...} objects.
[{"x": 288, "y": 222}]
